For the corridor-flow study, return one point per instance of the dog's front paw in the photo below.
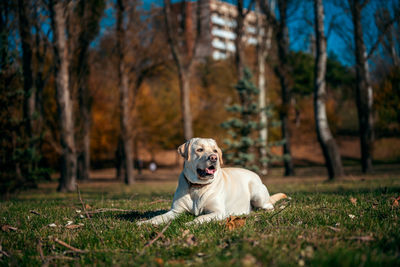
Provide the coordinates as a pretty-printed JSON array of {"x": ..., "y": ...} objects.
[{"x": 138, "y": 223}]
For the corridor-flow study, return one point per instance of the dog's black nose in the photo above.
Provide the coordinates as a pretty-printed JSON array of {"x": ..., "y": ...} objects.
[{"x": 213, "y": 158}]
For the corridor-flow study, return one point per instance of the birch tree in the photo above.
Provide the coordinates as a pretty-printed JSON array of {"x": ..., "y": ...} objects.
[
  {"x": 327, "y": 142},
  {"x": 64, "y": 104},
  {"x": 264, "y": 39}
]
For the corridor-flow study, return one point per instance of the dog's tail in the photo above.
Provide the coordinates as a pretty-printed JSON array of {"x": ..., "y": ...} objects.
[{"x": 276, "y": 197}]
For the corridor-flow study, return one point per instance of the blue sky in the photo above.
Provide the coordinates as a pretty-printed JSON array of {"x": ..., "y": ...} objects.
[{"x": 299, "y": 29}]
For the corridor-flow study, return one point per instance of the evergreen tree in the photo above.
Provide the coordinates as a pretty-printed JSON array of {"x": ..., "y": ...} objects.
[{"x": 242, "y": 147}]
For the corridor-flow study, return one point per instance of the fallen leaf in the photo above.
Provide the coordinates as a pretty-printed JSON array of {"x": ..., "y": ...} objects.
[
  {"x": 248, "y": 260},
  {"x": 88, "y": 207},
  {"x": 396, "y": 202},
  {"x": 353, "y": 200},
  {"x": 78, "y": 211},
  {"x": 308, "y": 252},
  {"x": 335, "y": 229},
  {"x": 69, "y": 223},
  {"x": 234, "y": 222},
  {"x": 73, "y": 226},
  {"x": 190, "y": 240},
  {"x": 363, "y": 238},
  {"x": 176, "y": 262},
  {"x": 52, "y": 225},
  {"x": 8, "y": 228},
  {"x": 159, "y": 261},
  {"x": 352, "y": 216}
]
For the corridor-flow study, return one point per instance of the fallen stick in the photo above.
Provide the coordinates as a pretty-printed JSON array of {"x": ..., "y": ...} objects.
[
  {"x": 87, "y": 214},
  {"x": 106, "y": 210},
  {"x": 80, "y": 199},
  {"x": 273, "y": 215},
  {"x": 148, "y": 244},
  {"x": 62, "y": 243},
  {"x": 40, "y": 250}
]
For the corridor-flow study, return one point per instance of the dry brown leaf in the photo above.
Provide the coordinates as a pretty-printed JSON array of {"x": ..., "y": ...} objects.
[
  {"x": 176, "y": 262},
  {"x": 8, "y": 228},
  {"x": 353, "y": 200},
  {"x": 233, "y": 222},
  {"x": 190, "y": 240},
  {"x": 248, "y": 260},
  {"x": 73, "y": 226},
  {"x": 88, "y": 207}
]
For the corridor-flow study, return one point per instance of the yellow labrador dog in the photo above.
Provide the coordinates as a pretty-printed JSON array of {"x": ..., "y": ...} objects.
[{"x": 211, "y": 192}]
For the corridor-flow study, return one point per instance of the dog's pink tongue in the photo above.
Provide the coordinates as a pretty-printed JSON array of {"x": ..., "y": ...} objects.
[{"x": 208, "y": 171}]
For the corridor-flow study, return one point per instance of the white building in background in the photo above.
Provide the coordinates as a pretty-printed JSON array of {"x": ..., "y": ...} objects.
[{"x": 218, "y": 28}]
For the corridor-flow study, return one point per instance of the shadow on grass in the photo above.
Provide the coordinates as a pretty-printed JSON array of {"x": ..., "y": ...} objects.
[{"x": 137, "y": 215}]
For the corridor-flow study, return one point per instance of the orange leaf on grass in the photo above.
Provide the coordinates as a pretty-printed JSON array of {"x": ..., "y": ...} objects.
[
  {"x": 396, "y": 202},
  {"x": 233, "y": 222}
]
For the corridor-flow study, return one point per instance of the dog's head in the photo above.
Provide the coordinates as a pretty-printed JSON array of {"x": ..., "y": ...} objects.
[{"x": 203, "y": 160}]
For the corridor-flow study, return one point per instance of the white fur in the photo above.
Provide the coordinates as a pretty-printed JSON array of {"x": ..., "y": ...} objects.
[{"x": 231, "y": 191}]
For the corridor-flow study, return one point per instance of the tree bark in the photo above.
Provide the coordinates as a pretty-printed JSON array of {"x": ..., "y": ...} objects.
[
  {"x": 184, "y": 57},
  {"x": 263, "y": 47},
  {"x": 364, "y": 93},
  {"x": 125, "y": 118},
  {"x": 327, "y": 142},
  {"x": 26, "y": 43},
  {"x": 184, "y": 84},
  {"x": 238, "y": 40},
  {"x": 68, "y": 157},
  {"x": 283, "y": 72}
]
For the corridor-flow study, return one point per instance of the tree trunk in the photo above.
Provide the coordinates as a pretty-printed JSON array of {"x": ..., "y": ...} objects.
[
  {"x": 282, "y": 71},
  {"x": 26, "y": 43},
  {"x": 84, "y": 109},
  {"x": 328, "y": 145},
  {"x": 184, "y": 58},
  {"x": 125, "y": 120},
  {"x": 184, "y": 84},
  {"x": 263, "y": 46},
  {"x": 364, "y": 93},
  {"x": 68, "y": 157},
  {"x": 238, "y": 40}
]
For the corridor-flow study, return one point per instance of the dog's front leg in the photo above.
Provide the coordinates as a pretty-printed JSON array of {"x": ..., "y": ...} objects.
[
  {"x": 163, "y": 218},
  {"x": 213, "y": 216}
]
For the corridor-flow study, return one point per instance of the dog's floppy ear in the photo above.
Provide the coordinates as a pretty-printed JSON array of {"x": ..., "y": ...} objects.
[
  {"x": 184, "y": 150},
  {"x": 220, "y": 156}
]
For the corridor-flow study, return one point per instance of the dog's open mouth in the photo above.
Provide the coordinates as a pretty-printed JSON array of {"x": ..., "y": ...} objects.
[{"x": 207, "y": 172}]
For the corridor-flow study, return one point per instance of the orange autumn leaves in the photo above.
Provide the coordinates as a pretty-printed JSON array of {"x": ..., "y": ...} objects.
[{"x": 234, "y": 222}]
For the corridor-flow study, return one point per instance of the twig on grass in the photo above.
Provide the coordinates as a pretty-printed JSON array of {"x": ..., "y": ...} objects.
[
  {"x": 36, "y": 213},
  {"x": 62, "y": 243},
  {"x": 80, "y": 199},
  {"x": 106, "y": 210},
  {"x": 40, "y": 250},
  {"x": 276, "y": 213},
  {"x": 148, "y": 244},
  {"x": 87, "y": 214}
]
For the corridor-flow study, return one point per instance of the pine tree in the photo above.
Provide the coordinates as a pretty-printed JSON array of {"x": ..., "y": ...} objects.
[{"x": 242, "y": 148}]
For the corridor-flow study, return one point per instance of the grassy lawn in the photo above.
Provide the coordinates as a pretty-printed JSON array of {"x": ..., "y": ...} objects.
[{"x": 346, "y": 223}]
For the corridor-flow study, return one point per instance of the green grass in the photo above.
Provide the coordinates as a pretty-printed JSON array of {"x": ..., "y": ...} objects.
[{"x": 313, "y": 229}]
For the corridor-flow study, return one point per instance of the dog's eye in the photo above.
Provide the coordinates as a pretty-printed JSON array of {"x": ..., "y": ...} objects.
[
  {"x": 199, "y": 150},
  {"x": 215, "y": 151}
]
